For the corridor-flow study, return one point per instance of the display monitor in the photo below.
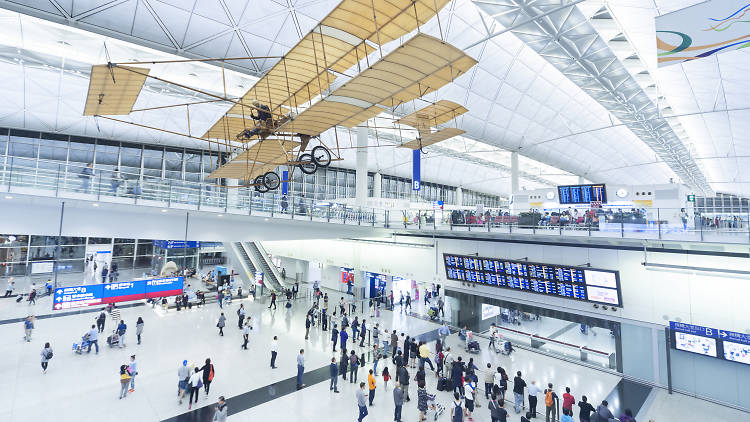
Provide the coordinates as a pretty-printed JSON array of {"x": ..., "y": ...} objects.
[
  {"x": 587, "y": 284},
  {"x": 582, "y": 194},
  {"x": 696, "y": 344},
  {"x": 736, "y": 352}
]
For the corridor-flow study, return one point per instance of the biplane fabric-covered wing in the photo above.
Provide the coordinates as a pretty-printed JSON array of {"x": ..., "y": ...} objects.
[
  {"x": 337, "y": 43},
  {"x": 433, "y": 138},
  {"x": 260, "y": 158},
  {"x": 421, "y": 65},
  {"x": 433, "y": 115},
  {"x": 114, "y": 89}
]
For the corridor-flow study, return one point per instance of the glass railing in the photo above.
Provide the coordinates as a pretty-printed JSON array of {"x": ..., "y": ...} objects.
[{"x": 49, "y": 178}]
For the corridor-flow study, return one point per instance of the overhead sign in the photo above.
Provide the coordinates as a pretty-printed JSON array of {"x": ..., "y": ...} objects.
[
  {"x": 707, "y": 341},
  {"x": 702, "y": 30},
  {"x": 691, "y": 198},
  {"x": 176, "y": 244},
  {"x": 97, "y": 294},
  {"x": 416, "y": 170}
]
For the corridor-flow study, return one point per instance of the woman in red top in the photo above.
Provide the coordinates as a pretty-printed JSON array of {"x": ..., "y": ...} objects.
[{"x": 386, "y": 377}]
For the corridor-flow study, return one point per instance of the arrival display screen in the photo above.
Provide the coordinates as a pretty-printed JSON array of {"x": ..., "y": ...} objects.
[{"x": 588, "y": 284}]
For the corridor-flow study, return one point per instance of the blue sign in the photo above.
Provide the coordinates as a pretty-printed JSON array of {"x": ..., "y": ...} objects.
[
  {"x": 697, "y": 330},
  {"x": 734, "y": 337},
  {"x": 97, "y": 294},
  {"x": 416, "y": 170},
  {"x": 176, "y": 244},
  {"x": 285, "y": 182}
]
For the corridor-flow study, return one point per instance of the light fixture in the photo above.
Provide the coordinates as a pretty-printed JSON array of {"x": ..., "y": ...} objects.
[
  {"x": 95, "y": 204},
  {"x": 220, "y": 215},
  {"x": 163, "y": 210}
]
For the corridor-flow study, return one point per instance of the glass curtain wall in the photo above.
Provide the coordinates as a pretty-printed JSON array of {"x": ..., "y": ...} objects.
[{"x": 30, "y": 152}]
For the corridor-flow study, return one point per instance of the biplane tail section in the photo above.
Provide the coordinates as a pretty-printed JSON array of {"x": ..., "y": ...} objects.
[
  {"x": 113, "y": 89},
  {"x": 433, "y": 138}
]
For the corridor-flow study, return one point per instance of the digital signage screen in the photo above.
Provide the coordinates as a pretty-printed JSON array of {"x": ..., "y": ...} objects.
[
  {"x": 707, "y": 341},
  {"x": 591, "y": 285},
  {"x": 696, "y": 344},
  {"x": 582, "y": 194}
]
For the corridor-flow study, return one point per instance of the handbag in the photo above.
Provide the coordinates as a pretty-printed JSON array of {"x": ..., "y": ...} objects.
[{"x": 200, "y": 383}]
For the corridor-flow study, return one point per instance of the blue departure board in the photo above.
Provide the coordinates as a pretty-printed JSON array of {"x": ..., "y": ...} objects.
[
  {"x": 582, "y": 194},
  {"x": 587, "y": 284}
]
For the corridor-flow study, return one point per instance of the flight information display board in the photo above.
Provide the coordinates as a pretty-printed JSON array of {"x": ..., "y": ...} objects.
[
  {"x": 707, "y": 341},
  {"x": 580, "y": 283},
  {"x": 582, "y": 194}
]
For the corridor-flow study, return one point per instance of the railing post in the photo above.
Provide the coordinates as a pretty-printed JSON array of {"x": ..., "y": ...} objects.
[
  {"x": 169, "y": 200},
  {"x": 99, "y": 187},
  {"x": 57, "y": 182},
  {"x": 434, "y": 219},
  {"x": 372, "y": 217},
  {"x": 10, "y": 174},
  {"x": 658, "y": 220},
  {"x": 273, "y": 203},
  {"x": 419, "y": 221},
  {"x": 310, "y": 209},
  {"x": 622, "y": 225},
  {"x": 291, "y": 198},
  {"x": 359, "y": 216}
]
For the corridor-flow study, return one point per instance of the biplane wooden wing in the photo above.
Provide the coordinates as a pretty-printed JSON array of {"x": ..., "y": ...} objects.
[
  {"x": 114, "y": 89},
  {"x": 338, "y": 43},
  {"x": 433, "y": 115},
  {"x": 422, "y": 64},
  {"x": 433, "y": 138},
  {"x": 260, "y": 158}
]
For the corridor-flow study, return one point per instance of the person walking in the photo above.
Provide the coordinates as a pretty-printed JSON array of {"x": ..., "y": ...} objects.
[
  {"x": 394, "y": 343},
  {"x": 183, "y": 377},
  {"x": 334, "y": 336},
  {"x": 221, "y": 323},
  {"x": 221, "y": 410},
  {"x": 444, "y": 332},
  {"x": 518, "y": 386},
  {"x": 139, "y": 329},
  {"x": 208, "y": 375},
  {"x": 469, "y": 390},
  {"x": 424, "y": 356},
  {"x": 334, "y": 373},
  {"x": 603, "y": 413},
  {"x": 549, "y": 402},
  {"x": 300, "y": 368},
  {"x": 457, "y": 412},
  {"x": 245, "y": 335},
  {"x": 398, "y": 401},
  {"x": 371, "y": 384},
  {"x": 11, "y": 286},
  {"x": 240, "y": 316},
  {"x": 100, "y": 321},
  {"x": 93, "y": 339},
  {"x": 568, "y": 401},
  {"x": 124, "y": 380},
  {"x": 361, "y": 403},
  {"x": 353, "y": 367},
  {"x": 46, "y": 356},
  {"x": 195, "y": 384},
  {"x": 534, "y": 391},
  {"x": 456, "y": 375},
  {"x": 274, "y": 351},
  {"x": 273, "y": 301},
  {"x": 344, "y": 336},
  {"x": 133, "y": 371},
  {"x": 28, "y": 327},
  {"x": 363, "y": 333},
  {"x": 408, "y": 302},
  {"x": 586, "y": 409},
  {"x": 403, "y": 379},
  {"x": 308, "y": 323},
  {"x": 386, "y": 377},
  {"x": 122, "y": 328}
]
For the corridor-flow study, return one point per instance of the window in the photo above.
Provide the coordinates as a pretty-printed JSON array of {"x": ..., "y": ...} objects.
[{"x": 152, "y": 161}]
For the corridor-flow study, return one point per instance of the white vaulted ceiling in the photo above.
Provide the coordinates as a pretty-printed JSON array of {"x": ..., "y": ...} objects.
[{"x": 518, "y": 99}]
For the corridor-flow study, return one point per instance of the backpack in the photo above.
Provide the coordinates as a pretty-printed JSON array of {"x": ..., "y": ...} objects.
[
  {"x": 549, "y": 400},
  {"x": 49, "y": 355},
  {"x": 211, "y": 373}
]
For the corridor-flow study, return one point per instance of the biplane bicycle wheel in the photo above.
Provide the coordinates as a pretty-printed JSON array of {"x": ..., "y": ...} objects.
[
  {"x": 307, "y": 164},
  {"x": 259, "y": 186},
  {"x": 322, "y": 156},
  {"x": 271, "y": 180}
]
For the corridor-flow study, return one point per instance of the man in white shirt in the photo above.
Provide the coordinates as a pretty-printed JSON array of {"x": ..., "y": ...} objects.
[
  {"x": 533, "y": 392},
  {"x": 300, "y": 368},
  {"x": 274, "y": 349},
  {"x": 93, "y": 335}
]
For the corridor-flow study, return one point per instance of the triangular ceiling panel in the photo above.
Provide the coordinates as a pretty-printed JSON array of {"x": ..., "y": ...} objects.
[
  {"x": 201, "y": 28},
  {"x": 211, "y": 9},
  {"x": 145, "y": 26},
  {"x": 118, "y": 18},
  {"x": 174, "y": 19}
]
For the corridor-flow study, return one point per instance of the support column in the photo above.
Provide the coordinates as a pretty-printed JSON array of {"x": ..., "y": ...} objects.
[
  {"x": 232, "y": 192},
  {"x": 514, "y": 185},
  {"x": 377, "y": 185},
  {"x": 361, "y": 169},
  {"x": 459, "y": 196}
]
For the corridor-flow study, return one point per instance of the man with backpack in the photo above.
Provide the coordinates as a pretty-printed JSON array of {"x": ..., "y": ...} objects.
[{"x": 550, "y": 399}]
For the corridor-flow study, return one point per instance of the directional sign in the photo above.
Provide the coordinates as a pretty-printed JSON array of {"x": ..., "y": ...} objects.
[
  {"x": 77, "y": 297},
  {"x": 159, "y": 287},
  {"x": 734, "y": 337},
  {"x": 97, "y": 294},
  {"x": 693, "y": 329},
  {"x": 124, "y": 291}
]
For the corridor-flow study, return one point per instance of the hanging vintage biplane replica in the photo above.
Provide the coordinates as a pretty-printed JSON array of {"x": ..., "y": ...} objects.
[{"x": 277, "y": 120}]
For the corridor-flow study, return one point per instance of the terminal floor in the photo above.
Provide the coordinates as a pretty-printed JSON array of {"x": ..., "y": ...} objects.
[
  {"x": 679, "y": 407},
  {"x": 77, "y": 386}
]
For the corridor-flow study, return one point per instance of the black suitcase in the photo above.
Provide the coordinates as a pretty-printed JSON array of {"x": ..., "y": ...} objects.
[
  {"x": 19, "y": 298},
  {"x": 442, "y": 384}
]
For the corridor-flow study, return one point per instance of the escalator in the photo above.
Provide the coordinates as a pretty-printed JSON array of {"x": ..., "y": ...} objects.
[{"x": 262, "y": 263}]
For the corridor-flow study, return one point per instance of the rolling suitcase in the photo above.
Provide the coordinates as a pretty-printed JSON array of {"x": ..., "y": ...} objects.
[
  {"x": 442, "y": 384},
  {"x": 19, "y": 298}
]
